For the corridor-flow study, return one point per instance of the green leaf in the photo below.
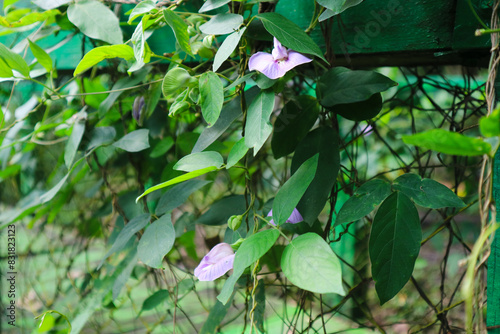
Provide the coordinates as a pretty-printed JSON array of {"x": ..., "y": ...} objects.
[
  {"x": 156, "y": 242},
  {"x": 249, "y": 252},
  {"x": 94, "y": 56},
  {"x": 180, "y": 30},
  {"x": 178, "y": 195},
  {"x": 13, "y": 62},
  {"x": 175, "y": 180},
  {"x": 222, "y": 24},
  {"x": 215, "y": 317},
  {"x": 221, "y": 210},
  {"x": 340, "y": 85},
  {"x": 260, "y": 308},
  {"x": 490, "y": 125},
  {"x": 211, "y": 97},
  {"x": 227, "y": 48},
  {"x": 155, "y": 300},
  {"x": 364, "y": 200},
  {"x": 360, "y": 111},
  {"x": 212, "y": 4},
  {"x": 138, "y": 41},
  {"x": 100, "y": 136},
  {"x": 289, "y": 34},
  {"x": 257, "y": 127},
  {"x": 42, "y": 56},
  {"x": 199, "y": 160},
  {"x": 134, "y": 141},
  {"x": 322, "y": 141},
  {"x": 142, "y": 7},
  {"x": 162, "y": 147},
  {"x": 237, "y": 152},
  {"x": 293, "y": 123},
  {"x": 75, "y": 138},
  {"x": 309, "y": 263},
  {"x": 132, "y": 227},
  {"x": 447, "y": 142},
  {"x": 50, "y": 4},
  {"x": 175, "y": 79},
  {"x": 96, "y": 20},
  {"x": 426, "y": 192},
  {"x": 394, "y": 244},
  {"x": 292, "y": 191},
  {"x": 28, "y": 19},
  {"x": 123, "y": 277},
  {"x": 335, "y": 7}
]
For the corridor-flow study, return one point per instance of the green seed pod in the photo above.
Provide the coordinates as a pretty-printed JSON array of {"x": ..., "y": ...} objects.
[
  {"x": 234, "y": 222},
  {"x": 175, "y": 78},
  {"x": 191, "y": 31}
]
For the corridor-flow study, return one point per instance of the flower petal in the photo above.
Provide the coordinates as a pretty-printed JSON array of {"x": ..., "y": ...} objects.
[
  {"x": 295, "y": 217},
  {"x": 270, "y": 214},
  {"x": 215, "y": 263},
  {"x": 279, "y": 51},
  {"x": 259, "y": 61},
  {"x": 214, "y": 271},
  {"x": 294, "y": 59}
]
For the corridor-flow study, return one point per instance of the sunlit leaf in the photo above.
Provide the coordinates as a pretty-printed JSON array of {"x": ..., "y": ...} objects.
[
  {"x": 309, "y": 263},
  {"x": 211, "y": 97},
  {"x": 96, "y": 55},
  {"x": 180, "y": 29}
]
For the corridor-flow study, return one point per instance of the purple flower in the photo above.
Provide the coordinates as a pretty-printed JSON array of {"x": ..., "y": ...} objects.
[
  {"x": 294, "y": 218},
  {"x": 275, "y": 65},
  {"x": 216, "y": 263}
]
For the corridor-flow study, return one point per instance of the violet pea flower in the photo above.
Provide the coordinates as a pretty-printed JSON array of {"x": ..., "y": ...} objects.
[
  {"x": 216, "y": 263},
  {"x": 276, "y": 65},
  {"x": 294, "y": 218}
]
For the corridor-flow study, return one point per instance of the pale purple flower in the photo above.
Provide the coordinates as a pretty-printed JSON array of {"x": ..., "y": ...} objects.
[
  {"x": 294, "y": 218},
  {"x": 216, "y": 263},
  {"x": 275, "y": 65}
]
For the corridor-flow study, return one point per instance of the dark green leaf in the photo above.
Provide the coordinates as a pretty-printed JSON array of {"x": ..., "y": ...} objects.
[
  {"x": 101, "y": 136},
  {"x": 250, "y": 251},
  {"x": 96, "y": 20},
  {"x": 340, "y": 85},
  {"x": 220, "y": 211},
  {"x": 289, "y": 34},
  {"x": 447, "y": 142},
  {"x": 426, "y": 192},
  {"x": 180, "y": 29},
  {"x": 364, "y": 200},
  {"x": 199, "y": 160},
  {"x": 222, "y": 24},
  {"x": 175, "y": 180},
  {"x": 211, "y": 97},
  {"x": 134, "y": 141},
  {"x": 293, "y": 123},
  {"x": 257, "y": 127},
  {"x": 227, "y": 47},
  {"x": 156, "y": 242},
  {"x": 360, "y": 111},
  {"x": 310, "y": 263},
  {"x": 237, "y": 152},
  {"x": 162, "y": 147},
  {"x": 323, "y": 140},
  {"x": 292, "y": 191},
  {"x": 212, "y": 4},
  {"x": 260, "y": 309},
  {"x": 215, "y": 317},
  {"x": 96, "y": 55},
  {"x": 13, "y": 62},
  {"x": 132, "y": 227},
  {"x": 333, "y": 5},
  {"x": 394, "y": 244},
  {"x": 155, "y": 300},
  {"x": 178, "y": 195},
  {"x": 124, "y": 275}
]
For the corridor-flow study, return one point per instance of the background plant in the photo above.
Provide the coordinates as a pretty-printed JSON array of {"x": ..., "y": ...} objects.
[{"x": 122, "y": 175}]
